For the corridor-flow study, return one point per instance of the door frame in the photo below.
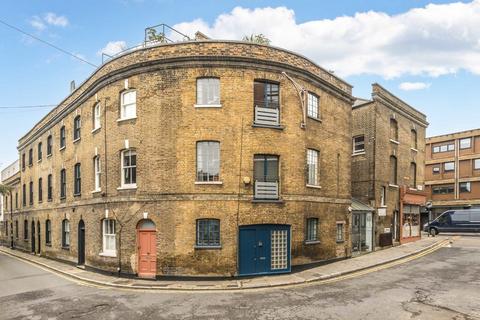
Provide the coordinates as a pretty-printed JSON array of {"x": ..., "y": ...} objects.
[
  {"x": 269, "y": 227},
  {"x": 81, "y": 243},
  {"x": 149, "y": 231}
]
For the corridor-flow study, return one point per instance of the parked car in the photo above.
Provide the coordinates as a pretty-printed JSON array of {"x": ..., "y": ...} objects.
[{"x": 455, "y": 221}]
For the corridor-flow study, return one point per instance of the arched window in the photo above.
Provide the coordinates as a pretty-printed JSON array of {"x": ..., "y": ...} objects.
[
  {"x": 413, "y": 175},
  {"x": 129, "y": 168},
  {"x": 393, "y": 170},
  {"x": 65, "y": 233},
  {"x": 97, "y": 116},
  {"x": 414, "y": 141},
  {"x": 108, "y": 237},
  {"x": 393, "y": 129},
  {"x": 128, "y": 104},
  {"x": 48, "y": 232},
  {"x": 77, "y": 124}
]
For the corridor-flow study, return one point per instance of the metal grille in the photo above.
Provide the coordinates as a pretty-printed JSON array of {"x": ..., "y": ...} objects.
[
  {"x": 266, "y": 190},
  {"x": 279, "y": 255}
]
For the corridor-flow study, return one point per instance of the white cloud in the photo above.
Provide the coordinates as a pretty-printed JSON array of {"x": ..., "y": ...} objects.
[
  {"x": 54, "y": 20},
  {"x": 409, "y": 86},
  {"x": 113, "y": 47},
  {"x": 49, "y": 18},
  {"x": 433, "y": 40},
  {"x": 37, "y": 23}
]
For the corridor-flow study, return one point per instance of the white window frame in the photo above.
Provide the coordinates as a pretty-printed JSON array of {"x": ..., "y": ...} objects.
[
  {"x": 464, "y": 140},
  {"x": 66, "y": 233},
  {"x": 469, "y": 187},
  {"x": 212, "y": 89},
  {"x": 312, "y": 167},
  {"x": 355, "y": 144},
  {"x": 97, "y": 116},
  {"x": 476, "y": 164},
  {"x": 124, "y": 106},
  {"x": 97, "y": 173},
  {"x": 108, "y": 234},
  {"x": 210, "y": 159},
  {"x": 123, "y": 167},
  {"x": 313, "y": 106},
  {"x": 445, "y": 166}
]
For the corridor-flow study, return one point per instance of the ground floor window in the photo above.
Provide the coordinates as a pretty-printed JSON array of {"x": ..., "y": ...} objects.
[
  {"x": 208, "y": 232},
  {"x": 279, "y": 252},
  {"x": 340, "y": 232},
  {"x": 312, "y": 227},
  {"x": 48, "y": 232},
  {"x": 65, "y": 233},
  {"x": 109, "y": 242}
]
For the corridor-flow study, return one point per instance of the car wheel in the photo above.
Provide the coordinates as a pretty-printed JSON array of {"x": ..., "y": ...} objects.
[{"x": 433, "y": 232}]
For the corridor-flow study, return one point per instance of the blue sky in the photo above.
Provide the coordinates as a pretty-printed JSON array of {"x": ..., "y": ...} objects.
[{"x": 431, "y": 49}]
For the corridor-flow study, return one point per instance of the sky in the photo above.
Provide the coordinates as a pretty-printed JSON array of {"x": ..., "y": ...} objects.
[{"x": 425, "y": 52}]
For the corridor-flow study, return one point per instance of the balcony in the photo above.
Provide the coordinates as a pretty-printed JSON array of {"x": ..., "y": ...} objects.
[
  {"x": 266, "y": 190},
  {"x": 267, "y": 115}
]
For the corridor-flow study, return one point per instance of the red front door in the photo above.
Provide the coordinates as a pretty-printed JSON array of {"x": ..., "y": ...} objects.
[{"x": 147, "y": 254}]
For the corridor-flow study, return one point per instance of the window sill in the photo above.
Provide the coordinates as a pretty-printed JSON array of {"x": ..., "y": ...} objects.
[
  {"x": 310, "y": 242},
  {"x": 49, "y": 155},
  {"x": 394, "y": 141},
  {"x": 313, "y": 186},
  {"x": 208, "y": 182},
  {"x": 197, "y": 247},
  {"x": 62, "y": 148},
  {"x": 77, "y": 194},
  {"x": 96, "y": 130},
  {"x": 76, "y": 140},
  {"x": 393, "y": 185},
  {"x": 207, "y": 105},
  {"x": 276, "y": 127},
  {"x": 63, "y": 198},
  {"x": 127, "y": 188},
  {"x": 96, "y": 191},
  {"x": 358, "y": 153},
  {"x": 48, "y": 244},
  {"x": 30, "y": 165},
  {"x": 66, "y": 248},
  {"x": 315, "y": 119},
  {"x": 39, "y": 160},
  {"x": 267, "y": 201},
  {"x": 413, "y": 149},
  {"x": 49, "y": 200},
  {"x": 340, "y": 241},
  {"x": 126, "y": 119},
  {"x": 108, "y": 254}
]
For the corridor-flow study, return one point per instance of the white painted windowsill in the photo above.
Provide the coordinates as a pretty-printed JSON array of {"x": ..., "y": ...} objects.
[
  {"x": 394, "y": 141},
  {"x": 97, "y": 191},
  {"x": 207, "y": 105},
  {"x": 311, "y": 242},
  {"x": 313, "y": 186},
  {"x": 108, "y": 254},
  {"x": 126, "y": 119},
  {"x": 208, "y": 182},
  {"x": 358, "y": 153},
  {"x": 96, "y": 129},
  {"x": 62, "y": 148},
  {"x": 393, "y": 185},
  {"x": 413, "y": 149},
  {"x": 76, "y": 140},
  {"x": 127, "y": 187}
]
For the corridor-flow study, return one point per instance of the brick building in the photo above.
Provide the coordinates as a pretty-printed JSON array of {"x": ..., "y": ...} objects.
[
  {"x": 452, "y": 171},
  {"x": 387, "y": 165},
  {"x": 194, "y": 158}
]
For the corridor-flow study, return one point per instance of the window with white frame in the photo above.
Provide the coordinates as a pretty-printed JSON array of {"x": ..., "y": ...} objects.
[
  {"x": 208, "y": 92},
  {"x": 383, "y": 196},
  {"x": 109, "y": 241},
  {"x": 476, "y": 164},
  {"x": 65, "y": 233},
  {"x": 96, "y": 116},
  {"x": 97, "y": 172},
  {"x": 340, "y": 232},
  {"x": 312, "y": 106},
  {"x": 129, "y": 168},
  {"x": 358, "y": 144},
  {"x": 312, "y": 167},
  {"x": 208, "y": 161},
  {"x": 448, "y": 166},
  {"x": 465, "y": 143},
  {"x": 465, "y": 187},
  {"x": 311, "y": 233},
  {"x": 128, "y": 105}
]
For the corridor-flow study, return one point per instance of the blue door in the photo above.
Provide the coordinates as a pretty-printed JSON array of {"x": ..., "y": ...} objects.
[{"x": 264, "y": 249}]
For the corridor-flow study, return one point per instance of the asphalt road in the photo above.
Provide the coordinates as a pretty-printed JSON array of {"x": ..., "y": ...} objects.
[{"x": 442, "y": 285}]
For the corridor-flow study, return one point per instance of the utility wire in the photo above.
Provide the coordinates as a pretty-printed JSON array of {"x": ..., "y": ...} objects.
[
  {"x": 47, "y": 43},
  {"x": 28, "y": 107}
]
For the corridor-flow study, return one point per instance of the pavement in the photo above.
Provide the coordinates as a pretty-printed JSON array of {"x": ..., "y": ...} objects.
[{"x": 341, "y": 269}]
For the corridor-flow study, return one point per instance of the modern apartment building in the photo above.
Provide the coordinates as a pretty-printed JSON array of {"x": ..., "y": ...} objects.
[
  {"x": 452, "y": 171},
  {"x": 192, "y": 158},
  {"x": 388, "y": 156}
]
